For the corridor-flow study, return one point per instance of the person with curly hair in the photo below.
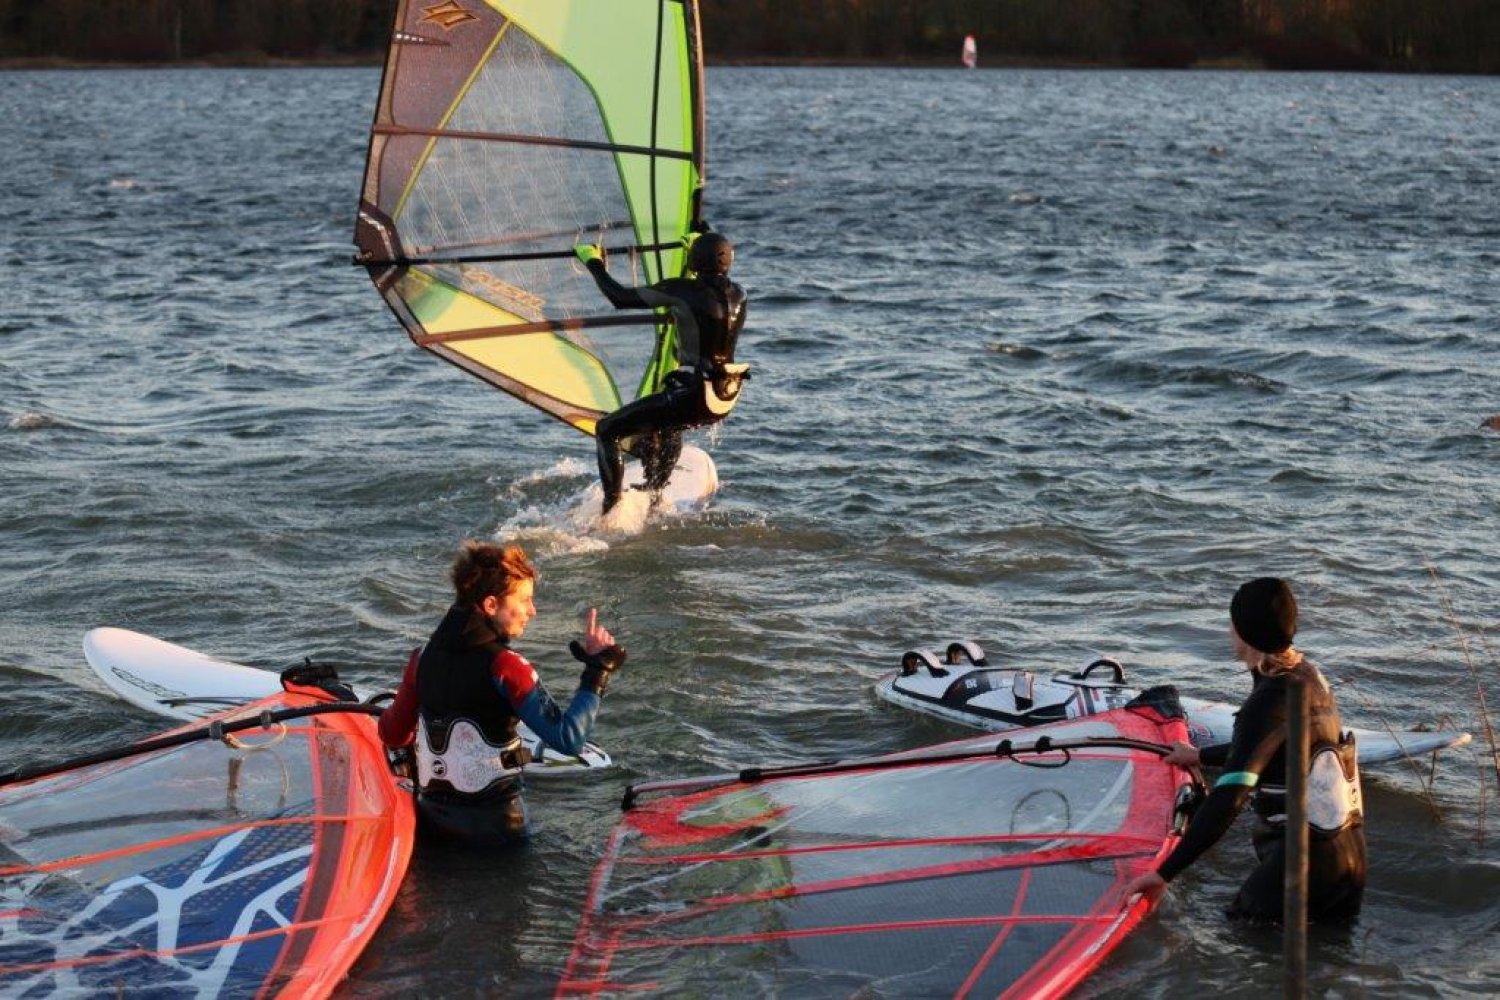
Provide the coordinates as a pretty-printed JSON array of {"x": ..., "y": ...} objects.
[{"x": 464, "y": 692}]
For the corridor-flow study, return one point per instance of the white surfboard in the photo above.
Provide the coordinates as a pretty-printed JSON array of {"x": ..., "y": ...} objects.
[
  {"x": 694, "y": 480},
  {"x": 950, "y": 685},
  {"x": 179, "y": 683}
]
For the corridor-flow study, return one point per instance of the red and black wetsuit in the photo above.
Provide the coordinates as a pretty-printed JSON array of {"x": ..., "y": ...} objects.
[
  {"x": 1255, "y": 762},
  {"x": 710, "y": 312},
  {"x": 468, "y": 679}
]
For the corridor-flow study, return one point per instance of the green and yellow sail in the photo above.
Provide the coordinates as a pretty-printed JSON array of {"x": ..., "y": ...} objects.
[{"x": 508, "y": 131}]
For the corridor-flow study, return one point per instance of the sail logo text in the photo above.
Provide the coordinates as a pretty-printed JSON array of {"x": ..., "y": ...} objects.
[
  {"x": 449, "y": 14},
  {"x": 518, "y": 299}
]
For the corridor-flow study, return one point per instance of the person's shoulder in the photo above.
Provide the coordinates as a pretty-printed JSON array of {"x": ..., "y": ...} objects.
[
  {"x": 1269, "y": 691},
  {"x": 1308, "y": 670},
  {"x": 1316, "y": 682},
  {"x": 678, "y": 286},
  {"x": 514, "y": 671},
  {"x": 509, "y": 659}
]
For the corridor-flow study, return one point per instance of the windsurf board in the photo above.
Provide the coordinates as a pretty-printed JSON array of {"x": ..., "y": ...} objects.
[
  {"x": 958, "y": 684},
  {"x": 181, "y": 683},
  {"x": 694, "y": 479}
]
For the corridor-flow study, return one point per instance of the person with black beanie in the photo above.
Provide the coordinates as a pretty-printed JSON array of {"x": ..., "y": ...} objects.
[{"x": 1263, "y": 622}]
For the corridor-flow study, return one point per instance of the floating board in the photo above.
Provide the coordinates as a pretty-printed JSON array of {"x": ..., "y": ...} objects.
[
  {"x": 958, "y": 684},
  {"x": 694, "y": 480},
  {"x": 204, "y": 870},
  {"x": 179, "y": 683},
  {"x": 948, "y": 871}
]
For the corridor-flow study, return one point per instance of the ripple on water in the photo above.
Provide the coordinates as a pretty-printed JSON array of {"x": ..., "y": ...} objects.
[{"x": 1055, "y": 371}]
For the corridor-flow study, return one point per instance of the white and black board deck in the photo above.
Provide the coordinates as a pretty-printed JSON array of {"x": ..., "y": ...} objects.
[
  {"x": 180, "y": 683},
  {"x": 957, "y": 684}
]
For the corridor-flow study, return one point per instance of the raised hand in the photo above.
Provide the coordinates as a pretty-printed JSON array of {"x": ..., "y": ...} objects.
[
  {"x": 599, "y": 654},
  {"x": 596, "y": 638}
]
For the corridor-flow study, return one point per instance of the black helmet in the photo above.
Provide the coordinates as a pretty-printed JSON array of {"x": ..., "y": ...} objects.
[{"x": 711, "y": 253}]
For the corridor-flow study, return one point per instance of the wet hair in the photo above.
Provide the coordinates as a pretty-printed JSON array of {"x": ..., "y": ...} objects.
[
  {"x": 484, "y": 568},
  {"x": 1285, "y": 662}
]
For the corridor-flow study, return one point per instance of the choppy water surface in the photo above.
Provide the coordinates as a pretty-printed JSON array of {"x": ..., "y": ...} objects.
[{"x": 1052, "y": 360}]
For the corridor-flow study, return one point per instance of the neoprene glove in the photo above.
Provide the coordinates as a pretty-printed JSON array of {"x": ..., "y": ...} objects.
[
  {"x": 588, "y": 252},
  {"x": 597, "y": 667}
]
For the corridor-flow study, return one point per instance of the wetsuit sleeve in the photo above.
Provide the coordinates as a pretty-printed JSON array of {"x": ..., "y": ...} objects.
[
  {"x": 619, "y": 296},
  {"x": 1214, "y": 756},
  {"x": 1259, "y": 731},
  {"x": 565, "y": 730},
  {"x": 398, "y": 723},
  {"x": 648, "y": 297}
]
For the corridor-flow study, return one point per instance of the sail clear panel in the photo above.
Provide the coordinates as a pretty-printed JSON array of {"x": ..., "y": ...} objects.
[
  {"x": 506, "y": 133},
  {"x": 987, "y": 876},
  {"x": 204, "y": 870}
]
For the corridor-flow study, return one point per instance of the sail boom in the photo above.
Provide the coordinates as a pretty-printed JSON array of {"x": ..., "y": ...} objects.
[
  {"x": 546, "y": 326},
  {"x": 491, "y": 258},
  {"x": 534, "y": 140}
]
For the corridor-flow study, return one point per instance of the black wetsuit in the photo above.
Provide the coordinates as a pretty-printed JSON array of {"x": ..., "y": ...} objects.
[
  {"x": 710, "y": 312},
  {"x": 1255, "y": 761},
  {"x": 468, "y": 674}
]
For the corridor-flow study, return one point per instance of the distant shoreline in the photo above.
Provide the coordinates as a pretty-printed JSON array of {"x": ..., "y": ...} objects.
[
  {"x": 377, "y": 59},
  {"x": 226, "y": 62},
  {"x": 1248, "y": 64}
]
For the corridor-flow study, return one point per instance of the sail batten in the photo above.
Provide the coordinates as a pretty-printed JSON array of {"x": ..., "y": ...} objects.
[
  {"x": 537, "y": 140},
  {"x": 506, "y": 132},
  {"x": 431, "y": 257},
  {"x": 955, "y": 871},
  {"x": 518, "y": 329}
]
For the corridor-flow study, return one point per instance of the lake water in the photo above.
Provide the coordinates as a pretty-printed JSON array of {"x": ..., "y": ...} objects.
[{"x": 1053, "y": 360}]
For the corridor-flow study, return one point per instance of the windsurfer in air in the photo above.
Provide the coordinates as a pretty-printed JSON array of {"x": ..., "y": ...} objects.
[
  {"x": 463, "y": 693},
  {"x": 1263, "y": 617},
  {"x": 709, "y": 310}
]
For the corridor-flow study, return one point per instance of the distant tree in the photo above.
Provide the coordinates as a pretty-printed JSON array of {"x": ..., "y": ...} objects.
[
  {"x": 336, "y": 24},
  {"x": 375, "y": 20},
  {"x": 1426, "y": 35},
  {"x": 9, "y": 37}
]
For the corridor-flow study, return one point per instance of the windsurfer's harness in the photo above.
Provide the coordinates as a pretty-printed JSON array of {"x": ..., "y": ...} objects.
[
  {"x": 466, "y": 741},
  {"x": 721, "y": 384},
  {"x": 722, "y": 378},
  {"x": 1334, "y": 800},
  {"x": 465, "y": 762}
]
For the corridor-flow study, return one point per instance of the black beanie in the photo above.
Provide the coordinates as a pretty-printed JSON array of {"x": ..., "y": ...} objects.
[{"x": 1264, "y": 613}]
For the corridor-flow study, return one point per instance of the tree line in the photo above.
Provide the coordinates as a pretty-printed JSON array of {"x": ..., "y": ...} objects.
[{"x": 1460, "y": 36}]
